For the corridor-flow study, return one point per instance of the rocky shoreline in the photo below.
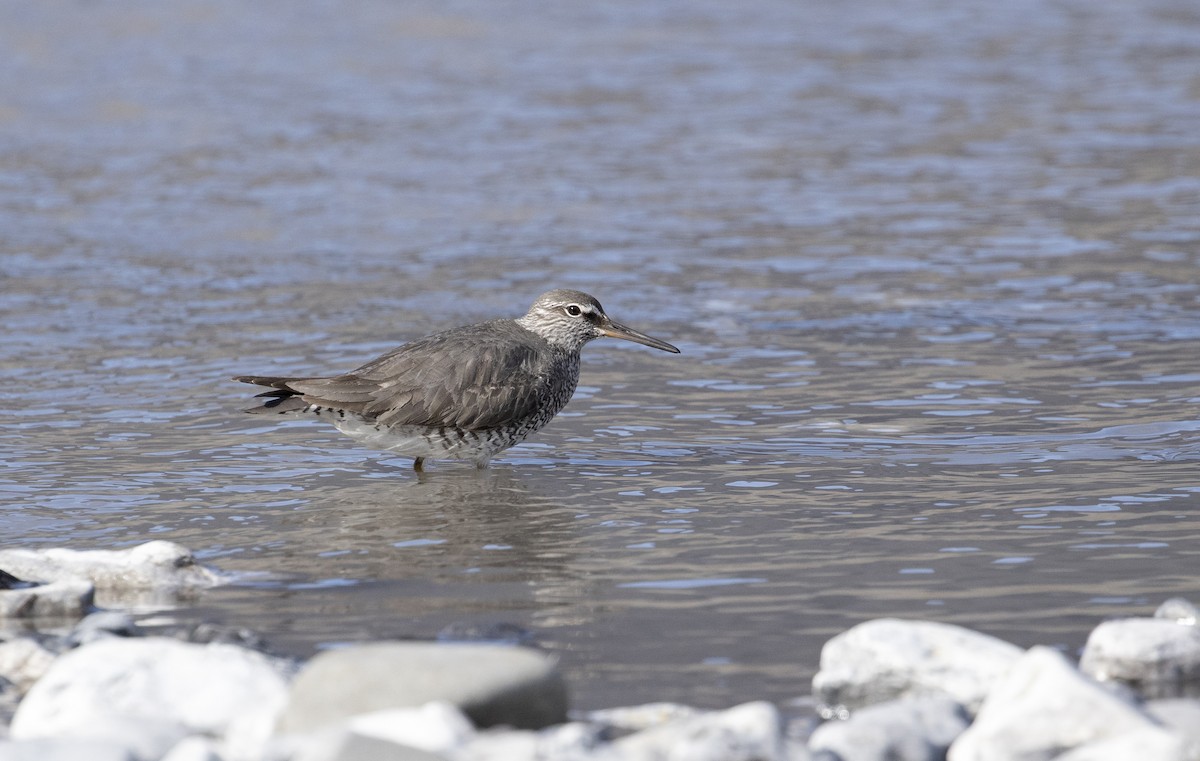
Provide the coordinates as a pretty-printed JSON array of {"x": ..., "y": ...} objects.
[{"x": 78, "y": 683}]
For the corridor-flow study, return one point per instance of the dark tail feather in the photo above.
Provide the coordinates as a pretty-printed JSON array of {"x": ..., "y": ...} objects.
[{"x": 281, "y": 399}]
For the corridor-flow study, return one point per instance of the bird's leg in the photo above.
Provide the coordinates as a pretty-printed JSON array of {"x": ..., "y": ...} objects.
[{"x": 419, "y": 464}]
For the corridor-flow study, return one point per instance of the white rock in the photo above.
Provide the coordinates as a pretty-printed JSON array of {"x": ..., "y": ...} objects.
[
  {"x": 154, "y": 565},
  {"x": 1147, "y": 653},
  {"x": 492, "y": 684},
  {"x": 157, "y": 690},
  {"x": 900, "y": 730},
  {"x": 574, "y": 741},
  {"x": 1150, "y": 744},
  {"x": 1181, "y": 715},
  {"x": 24, "y": 661},
  {"x": 194, "y": 748},
  {"x": 748, "y": 732},
  {"x": 1042, "y": 708},
  {"x": 64, "y": 750},
  {"x": 435, "y": 726},
  {"x": 64, "y": 598},
  {"x": 885, "y": 659},
  {"x": 1179, "y": 610},
  {"x": 505, "y": 745},
  {"x": 343, "y": 745}
]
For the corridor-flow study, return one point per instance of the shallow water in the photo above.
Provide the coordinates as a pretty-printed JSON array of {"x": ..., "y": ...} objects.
[{"x": 933, "y": 269}]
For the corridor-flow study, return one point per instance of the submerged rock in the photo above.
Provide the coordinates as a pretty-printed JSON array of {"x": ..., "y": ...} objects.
[
  {"x": 1155, "y": 656},
  {"x": 492, "y": 684},
  {"x": 64, "y": 598},
  {"x": 1043, "y": 708},
  {"x": 502, "y": 633},
  {"x": 887, "y": 658}
]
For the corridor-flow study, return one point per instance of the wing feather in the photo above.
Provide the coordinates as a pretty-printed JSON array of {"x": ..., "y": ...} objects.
[{"x": 476, "y": 377}]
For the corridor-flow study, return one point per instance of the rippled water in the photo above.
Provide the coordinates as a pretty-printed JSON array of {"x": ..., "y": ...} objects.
[{"x": 933, "y": 268}]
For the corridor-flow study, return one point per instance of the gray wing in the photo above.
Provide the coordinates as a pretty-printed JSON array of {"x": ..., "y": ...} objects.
[{"x": 480, "y": 376}]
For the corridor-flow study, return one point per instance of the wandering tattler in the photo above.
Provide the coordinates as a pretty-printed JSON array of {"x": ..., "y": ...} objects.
[{"x": 464, "y": 394}]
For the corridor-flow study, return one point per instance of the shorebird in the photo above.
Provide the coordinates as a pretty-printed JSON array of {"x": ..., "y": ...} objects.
[{"x": 464, "y": 394}]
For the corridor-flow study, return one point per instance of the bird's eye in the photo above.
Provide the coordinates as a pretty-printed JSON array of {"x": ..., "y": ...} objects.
[{"x": 574, "y": 311}]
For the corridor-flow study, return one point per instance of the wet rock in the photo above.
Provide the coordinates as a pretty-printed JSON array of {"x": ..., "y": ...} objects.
[
  {"x": 749, "y": 732},
  {"x": 8, "y": 581},
  {"x": 207, "y": 632},
  {"x": 65, "y": 598},
  {"x": 150, "y": 693},
  {"x": 492, "y": 684},
  {"x": 50, "y": 749},
  {"x": 1155, "y": 656},
  {"x": 886, "y": 659},
  {"x": 1178, "y": 610},
  {"x": 1150, "y": 744},
  {"x": 1042, "y": 708},
  {"x": 900, "y": 730},
  {"x": 157, "y": 565},
  {"x": 100, "y": 625},
  {"x": 623, "y": 721},
  {"x": 23, "y": 662}
]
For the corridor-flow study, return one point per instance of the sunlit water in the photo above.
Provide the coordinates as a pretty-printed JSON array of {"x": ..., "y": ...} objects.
[{"x": 933, "y": 268}]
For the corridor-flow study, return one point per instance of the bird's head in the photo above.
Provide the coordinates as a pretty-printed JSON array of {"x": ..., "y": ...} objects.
[{"x": 569, "y": 319}]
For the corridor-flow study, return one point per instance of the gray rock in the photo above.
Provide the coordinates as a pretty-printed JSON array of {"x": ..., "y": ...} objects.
[
  {"x": 1043, "y": 708},
  {"x": 886, "y": 659},
  {"x": 1150, "y": 744},
  {"x": 23, "y": 661},
  {"x": 492, "y": 684},
  {"x": 1178, "y": 610},
  {"x": 901, "y": 730},
  {"x": 1153, "y": 655},
  {"x": 150, "y": 693},
  {"x": 748, "y": 732},
  {"x": 50, "y": 749},
  {"x": 158, "y": 565},
  {"x": 64, "y": 598}
]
